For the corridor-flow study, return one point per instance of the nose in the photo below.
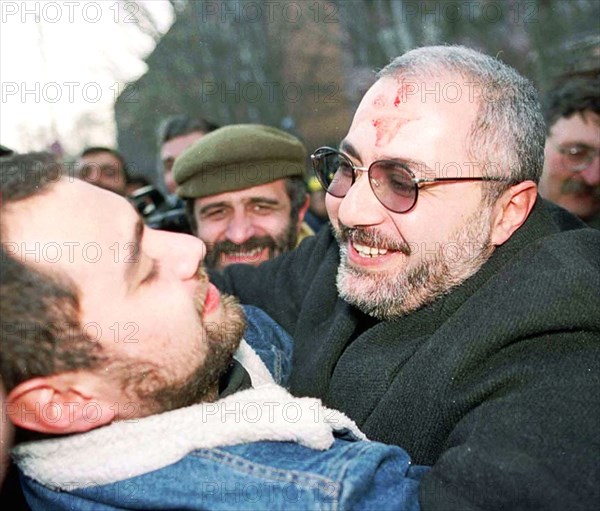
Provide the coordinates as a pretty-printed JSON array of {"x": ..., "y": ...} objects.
[
  {"x": 240, "y": 228},
  {"x": 360, "y": 207},
  {"x": 591, "y": 175},
  {"x": 181, "y": 253}
]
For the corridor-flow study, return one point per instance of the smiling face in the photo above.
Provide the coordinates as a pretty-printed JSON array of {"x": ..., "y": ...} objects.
[
  {"x": 578, "y": 192},
  {"x": 246, "y": 226},
  {"x": 394, "y": 263},
  {"x": 164, "y": 328}
]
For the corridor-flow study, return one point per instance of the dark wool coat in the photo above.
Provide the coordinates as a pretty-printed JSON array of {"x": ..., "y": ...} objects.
[{"x": 495, "y": 385}]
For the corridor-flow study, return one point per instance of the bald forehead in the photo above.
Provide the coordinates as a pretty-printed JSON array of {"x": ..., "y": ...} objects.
[{"x": 446, "y": 90}]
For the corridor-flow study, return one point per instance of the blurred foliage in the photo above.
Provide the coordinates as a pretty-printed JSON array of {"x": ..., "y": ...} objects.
[{"x": 303, "y": 65}]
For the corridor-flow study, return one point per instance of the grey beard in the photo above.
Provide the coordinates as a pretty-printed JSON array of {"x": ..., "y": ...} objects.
[{"x": 385, "y": 296}]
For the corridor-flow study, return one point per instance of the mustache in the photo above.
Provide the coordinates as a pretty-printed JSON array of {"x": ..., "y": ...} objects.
[
  {"x": 229, "y": 247},
  {"x": 214, "y": 252},
  {"x": 202, "y": 289},
  {"x": 370, "y": 237},
  {"x": 201, "y": 274},
  {"x": 577, "y": 187}
]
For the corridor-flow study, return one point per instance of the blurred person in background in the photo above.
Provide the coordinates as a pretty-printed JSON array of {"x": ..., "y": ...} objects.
[
  {"x": 175, "y": 135},
  {"x": 316, "y": 216},
  {"x": 167, "y": 211},
  {"x": 104, "y": 167},
  {"x": 571, "y": 176}
]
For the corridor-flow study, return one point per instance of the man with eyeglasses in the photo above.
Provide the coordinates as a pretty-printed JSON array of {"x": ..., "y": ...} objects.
[
  {"x": 103, "y": 167},
  {"x": 449, "y": 310},
  {"x": 571, "y": 175}
]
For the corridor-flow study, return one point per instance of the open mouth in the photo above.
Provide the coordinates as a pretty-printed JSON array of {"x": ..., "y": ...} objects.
[
  {"x": 245, "y": 254},
  {"x": 367, "y": 251}
]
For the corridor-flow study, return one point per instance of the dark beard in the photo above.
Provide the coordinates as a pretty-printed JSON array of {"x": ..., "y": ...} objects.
[
  {"x": 152, "y": 393},
  {"x": 223, "y": 341},
  {"x": 276, "y": 245}
]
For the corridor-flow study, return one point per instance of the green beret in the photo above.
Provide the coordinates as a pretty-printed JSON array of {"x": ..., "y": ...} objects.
[{"x": 237, "y": 157}]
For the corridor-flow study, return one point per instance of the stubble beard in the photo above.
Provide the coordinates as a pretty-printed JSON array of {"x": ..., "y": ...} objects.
[
  {"x": 222, "y": 341},
  {"x": 388, "y": 295},
  {"x": 153, "y": 392}
]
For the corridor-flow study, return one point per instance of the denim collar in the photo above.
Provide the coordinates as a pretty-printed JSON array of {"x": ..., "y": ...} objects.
[{"x": 127, "y": 449}]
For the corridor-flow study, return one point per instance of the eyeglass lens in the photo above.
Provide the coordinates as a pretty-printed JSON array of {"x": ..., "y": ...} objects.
[
  {"x": 578, "y": 157},
  {"x": 391, "y": 183}
]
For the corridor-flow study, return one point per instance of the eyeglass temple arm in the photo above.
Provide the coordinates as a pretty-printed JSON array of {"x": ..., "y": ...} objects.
[{"x": 418, "y": 180}]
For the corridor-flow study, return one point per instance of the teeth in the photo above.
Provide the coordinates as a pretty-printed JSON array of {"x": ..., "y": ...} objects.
[
  {"x": 365, "y": 251},
  {"x": 252, "y": 253}
]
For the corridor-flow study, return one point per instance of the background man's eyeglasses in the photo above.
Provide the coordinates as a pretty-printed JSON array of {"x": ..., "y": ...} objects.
[
  {"x": 577, "y": 157},
  {"x": 394, "y": 185},
  {"x": 94, "y": 170}
]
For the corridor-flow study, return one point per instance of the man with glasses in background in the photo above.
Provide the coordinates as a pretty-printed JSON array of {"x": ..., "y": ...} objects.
[
  {"x": 571, "y": 175},
  {"x": 103, "y": 167},
  {"x": 449, "y": 310}
]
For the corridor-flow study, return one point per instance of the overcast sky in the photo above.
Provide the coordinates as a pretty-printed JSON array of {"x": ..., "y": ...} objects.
[{"x": 62, "y": 63}]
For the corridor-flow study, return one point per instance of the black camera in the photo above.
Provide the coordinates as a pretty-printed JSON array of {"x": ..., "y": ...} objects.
[{"x": 161, "y": 212}]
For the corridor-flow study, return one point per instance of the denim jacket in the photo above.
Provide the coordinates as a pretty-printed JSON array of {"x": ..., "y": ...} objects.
[{"x": 260, "y": 448}]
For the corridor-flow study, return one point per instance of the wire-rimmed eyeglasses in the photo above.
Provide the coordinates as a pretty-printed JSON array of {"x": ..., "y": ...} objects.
[
  {"x": 394, "y": 185},
  {"x": 577, "y": 157}
]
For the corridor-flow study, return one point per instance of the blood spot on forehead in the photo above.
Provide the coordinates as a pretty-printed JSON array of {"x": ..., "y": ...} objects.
[
  {"x": 387, "y": 128},
  {"x": 402, "y": 93},
  {"x": 405, "y": 90},
  {"x": 380, "y": 101}
]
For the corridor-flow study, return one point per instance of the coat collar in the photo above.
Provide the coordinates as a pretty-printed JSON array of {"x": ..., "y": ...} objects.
[{"x": 130, "y": 448}]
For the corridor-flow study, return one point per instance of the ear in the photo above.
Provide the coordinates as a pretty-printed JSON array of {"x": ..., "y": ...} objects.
[
  {"x": 511, "y": 210},
  {"x": 303, "y": 211},
  {"x": 58, "y": 405}
]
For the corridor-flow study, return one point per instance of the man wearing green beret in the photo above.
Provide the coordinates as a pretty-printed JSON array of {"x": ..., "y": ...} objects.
[{"x": 245, "y": 193}]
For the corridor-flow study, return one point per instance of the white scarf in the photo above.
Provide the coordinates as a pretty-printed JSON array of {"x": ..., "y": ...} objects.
[{"x": 130, "y": 448}]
